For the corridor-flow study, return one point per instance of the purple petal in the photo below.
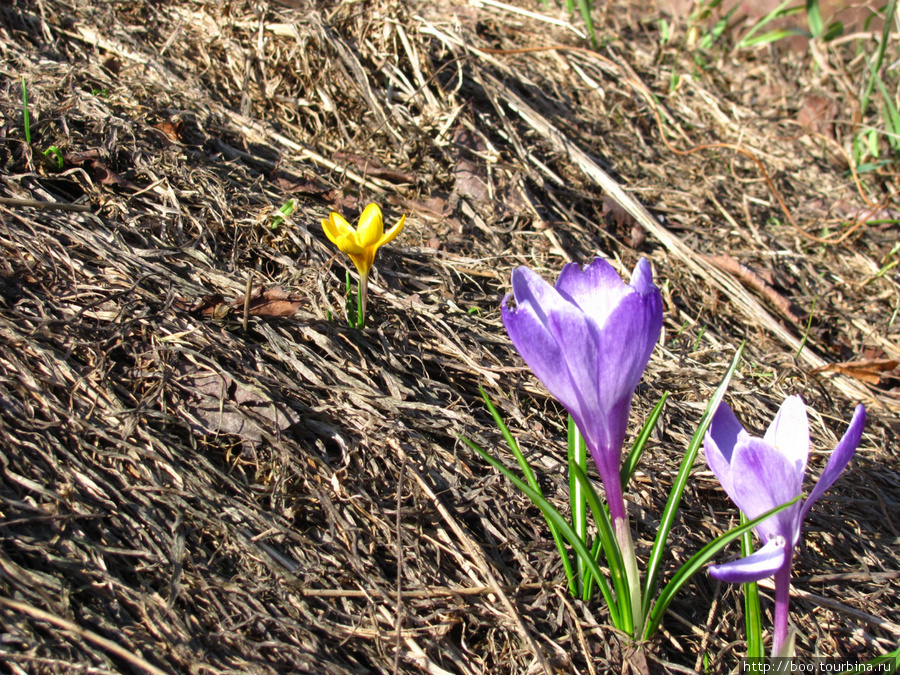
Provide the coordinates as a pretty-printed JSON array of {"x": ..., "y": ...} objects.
[
  {"x": 596, "y": 289},
  {"x": 789, "y": 432},
  {"x": 760, "y": 565},
  {"x": 541, "y": 351},
  {"x": 625, "y": 344},
  {"x": 530, "y": 288},
  {"x": 839, "y": 459},
  {"x": 763, "y": 479},
  {"x": 723, "y": 434},
  {"x": 642, "y": 277}
]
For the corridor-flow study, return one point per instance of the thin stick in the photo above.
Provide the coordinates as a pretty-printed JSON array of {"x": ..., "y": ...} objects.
[
  {"x": 58, "y": 206},
  {"x": 247, "y": 299},
  {"x": 398, "y": 621},
  {"x": 88, "y": 635}
]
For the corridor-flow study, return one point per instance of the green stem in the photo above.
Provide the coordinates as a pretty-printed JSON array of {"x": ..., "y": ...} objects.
[{"x": 361, "y": 300}]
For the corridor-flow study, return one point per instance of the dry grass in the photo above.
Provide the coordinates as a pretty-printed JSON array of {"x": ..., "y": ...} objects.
[{"x": 184, "y": 493}]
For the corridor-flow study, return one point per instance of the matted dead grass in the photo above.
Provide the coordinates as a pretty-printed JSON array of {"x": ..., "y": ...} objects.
[{"x": 189, "y": 489}]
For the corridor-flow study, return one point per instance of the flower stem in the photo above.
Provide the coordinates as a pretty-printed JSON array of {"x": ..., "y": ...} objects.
[
  {"x": 361, "y": 300},
  {"x": 619, "y": 516},
  {"x": 782, "y": 604},
  {"x": 626, "y": 545}
]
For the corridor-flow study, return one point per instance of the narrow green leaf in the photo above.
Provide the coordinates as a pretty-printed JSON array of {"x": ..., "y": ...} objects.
[
  {"x": 875, "y": 67},
  {"x": 53, "y": 150},
  {"x": 814, "y": 17},
  {"x": 610, "y": 546},
  {"x": 772, "y": 36},
  {"x": 637, "y": 448},
  {"x": 26, "y": 117},
  {"x": 654, "y": 565},
  {"x": 834, "y": 31},
  {"x": 891, "y": 659},
  {"x": 752, "y": 613},
  {"x": 891, "y": 115},
  {"x": 551, "y": 514},
  {"x": 577, "y": 452},
  {"x": 585, "y": 7},
  {"x": 286, "y": 210},
  {"x": 778, "y": 12},
  {"x": 696, "y": 563},
  {"x": 533, "y": 484}
]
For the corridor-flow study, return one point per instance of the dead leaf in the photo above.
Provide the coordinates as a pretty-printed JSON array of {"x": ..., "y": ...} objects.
[
  {"x": 373, "y": 169},
  {"x": 273, "y": 301},
  {"x": 818, "y": 114},
  {"x": 470, "y": 180},
  {"x": 218, "y": 404},
  {"x": 870, "y": 371},
  {"x": 90, "y": 161},
  {"x": 171, "y": 129},
  {"x": 621, "y": 223},
  {"x": 294, "y": 184},
  {"x": 750, "y": 277}
]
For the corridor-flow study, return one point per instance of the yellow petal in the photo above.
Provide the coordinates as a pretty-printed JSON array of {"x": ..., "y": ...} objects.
[
  {"x": 393, "y": 232},
  {"x": 348, "y": 244},
  {"x": 336, "y": 226},
  {"x": 363, "y": 262},
  {"x": 371, "y": 226}
]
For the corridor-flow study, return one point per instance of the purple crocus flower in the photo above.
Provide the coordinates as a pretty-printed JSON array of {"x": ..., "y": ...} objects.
[
  {"x": 589, "y": 340},
  {"x": 762, "y": 473}
]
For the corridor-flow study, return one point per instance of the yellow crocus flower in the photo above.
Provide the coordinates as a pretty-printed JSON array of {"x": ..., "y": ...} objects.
[{"x": 361, "y": 243}]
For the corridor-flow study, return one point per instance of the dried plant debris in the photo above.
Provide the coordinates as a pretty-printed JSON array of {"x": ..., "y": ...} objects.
[{"x": 201, "y": 477}]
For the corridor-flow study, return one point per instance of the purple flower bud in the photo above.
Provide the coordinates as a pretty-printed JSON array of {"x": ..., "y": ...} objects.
[{"x": 589, "y": 340}]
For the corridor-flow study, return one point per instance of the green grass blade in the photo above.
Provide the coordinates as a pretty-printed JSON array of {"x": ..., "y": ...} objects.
[
  {"x": 588, "y": 590},
  {"x": 875, "y": 68},
  {"x": 891, "y": 659},
  {"x": 637, "y": 448},
  {"x": 778, "y": 12},
  {"x": 891, "y": 116},
  {"x": 26, "y": 117},
  {"x": 585, "y": 7},
  {"x": 511, "y": 442},
  {"x": 551, "y": 514},
  {"x": 352, "y": 304},
  {"x": 772, "y": 36},
  {"x": 752, "y": 614},
  {"x": 814, "y": 17},
  {"x": 696, "y": 563},
  {"x": 533, "y": 484},
  {"x": 654, "y": 565},
  {"x": 60, "y": 161}
]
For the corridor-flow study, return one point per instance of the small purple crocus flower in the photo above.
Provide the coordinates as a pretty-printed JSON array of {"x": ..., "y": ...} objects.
[
  {"x": 589, "y": 340},
  {"x": 762, "y": 473}
]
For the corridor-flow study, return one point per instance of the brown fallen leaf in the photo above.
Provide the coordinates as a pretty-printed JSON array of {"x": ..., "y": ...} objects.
[
  {"x": 621, "y": 223},
  {"x": 469, "y": 175},
  {"x": 870, "y": 371},
  {"x": 818, "y": 115},
  {"x": 171, "y": 129},
  {"x": 374, "y": 169},
  {"x": 90, "y": 161},
  {"x": 274, "y": 301},
  {"x": 749, "y": 277},
  {"x": 215, "y": 403}
]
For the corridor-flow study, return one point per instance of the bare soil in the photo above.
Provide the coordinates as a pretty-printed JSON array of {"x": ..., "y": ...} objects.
[{"x": 204, "y": 469}]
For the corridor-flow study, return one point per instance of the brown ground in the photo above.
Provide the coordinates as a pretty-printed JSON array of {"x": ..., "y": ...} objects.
[{"x": 183, "y": 492}]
